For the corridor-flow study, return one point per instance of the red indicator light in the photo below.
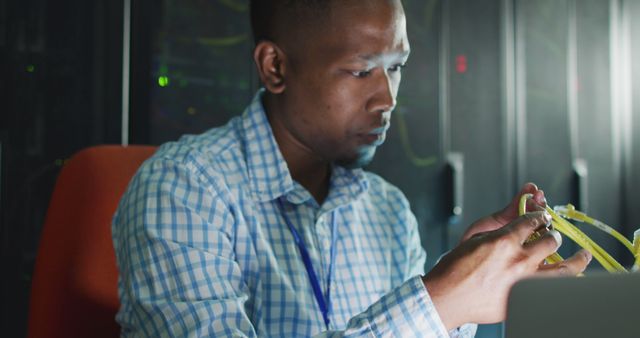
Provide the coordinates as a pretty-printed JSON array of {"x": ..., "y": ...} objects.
[{"x": 461, "y": 64}]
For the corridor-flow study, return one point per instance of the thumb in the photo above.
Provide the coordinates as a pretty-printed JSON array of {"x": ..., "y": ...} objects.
[{"x": 510, "y": 212}]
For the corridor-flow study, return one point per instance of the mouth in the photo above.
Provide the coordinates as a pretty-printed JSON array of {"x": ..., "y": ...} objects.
[
  {"x": 376, "y": 136},
  {"x": 373, "y": 139}
]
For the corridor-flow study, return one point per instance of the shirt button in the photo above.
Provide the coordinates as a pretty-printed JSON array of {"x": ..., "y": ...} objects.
[{"x": 321, "y": 227}]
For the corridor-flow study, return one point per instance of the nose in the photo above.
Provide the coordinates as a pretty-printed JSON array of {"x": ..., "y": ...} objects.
[{"x": 384, "y": 96}]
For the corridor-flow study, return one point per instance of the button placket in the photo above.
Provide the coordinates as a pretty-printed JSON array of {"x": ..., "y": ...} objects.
[{"x": 324, "y": 238}]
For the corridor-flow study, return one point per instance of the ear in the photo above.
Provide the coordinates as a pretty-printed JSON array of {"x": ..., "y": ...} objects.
[{"x": 270, "y": 62}]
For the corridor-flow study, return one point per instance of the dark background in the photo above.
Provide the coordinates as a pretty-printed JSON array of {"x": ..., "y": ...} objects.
[{"x": 502, "y": 91}]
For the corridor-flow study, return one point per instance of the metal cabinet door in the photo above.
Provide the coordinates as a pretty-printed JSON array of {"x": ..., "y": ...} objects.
[
  {"x": 477, "y": 127},
  {"x": 597, "y": 138},
  {"x": 566, "y": 130}
]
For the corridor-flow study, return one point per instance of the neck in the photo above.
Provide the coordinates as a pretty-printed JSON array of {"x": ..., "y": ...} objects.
[{"x": 306, "y": 168}]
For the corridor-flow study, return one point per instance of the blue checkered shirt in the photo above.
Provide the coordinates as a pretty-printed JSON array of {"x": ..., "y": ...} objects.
[{"x": 204, "y": 250}]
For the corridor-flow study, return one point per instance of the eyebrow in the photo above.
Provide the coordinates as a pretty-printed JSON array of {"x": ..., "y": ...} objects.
[{"x": 371, "y": 57}]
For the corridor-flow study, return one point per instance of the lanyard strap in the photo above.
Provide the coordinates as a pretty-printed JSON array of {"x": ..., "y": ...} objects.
[{"x": 323, "y": 302}]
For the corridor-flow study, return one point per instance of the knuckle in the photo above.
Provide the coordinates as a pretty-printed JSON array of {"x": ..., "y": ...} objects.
[
  {"x": 520, "y": 256},
  {"x": 586, "y": 256},
  {"x": 564, "y": 270},
  {"x": 549, "y": 242},
  {"x": 533, "y": 218},
  {"x": 545, "y": 246},
  {"x": 520, "y": 263},
  {"x": 536, "y": 221},
  {"x": 507, "y": 241},
  {"x": 519, "y": 269}
]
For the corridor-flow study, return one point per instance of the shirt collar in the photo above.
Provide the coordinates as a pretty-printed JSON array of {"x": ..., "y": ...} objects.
[{"x": 269, "y": 174}]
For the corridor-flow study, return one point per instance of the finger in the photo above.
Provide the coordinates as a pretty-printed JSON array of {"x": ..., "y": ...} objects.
[
  {"x": 537, "y": 202},
  {"x": 570, "y": 267},
  {"x": 527, "y": 188},
  {"x": 543, "y": 247},
  {"x": 539, "y": 198},
  {"x": 510, "y": 212},
  {"x": 526, "y": 224}
]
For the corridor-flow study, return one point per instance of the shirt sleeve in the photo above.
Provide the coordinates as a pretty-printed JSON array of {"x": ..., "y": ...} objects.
[
  {"x": 407, "y": 311},
  {"x": 418, "y": 258},
  {"x": 466, "y": 330},
  {"x": 178, "y": 276}
]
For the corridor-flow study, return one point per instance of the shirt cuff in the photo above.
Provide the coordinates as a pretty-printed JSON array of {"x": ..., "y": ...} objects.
[
  {"x": 407, "y": 311},
  {"x": 466, "y": 330}
]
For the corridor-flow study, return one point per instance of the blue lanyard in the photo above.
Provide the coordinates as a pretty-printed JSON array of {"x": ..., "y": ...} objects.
[{"x": 323, "y": 302}]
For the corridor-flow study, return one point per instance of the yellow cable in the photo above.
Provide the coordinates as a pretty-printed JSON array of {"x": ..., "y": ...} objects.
[
  {"x": 570, "y": 230},
  {"x": 636, "y": 246},
  {"x": 416, "y": 160},
  {"x": 580, "y": 238},
  {"x": 569, "y": 211}
]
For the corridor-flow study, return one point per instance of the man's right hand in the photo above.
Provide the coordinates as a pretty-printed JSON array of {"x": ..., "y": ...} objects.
[{"x": 471, "y": 284}]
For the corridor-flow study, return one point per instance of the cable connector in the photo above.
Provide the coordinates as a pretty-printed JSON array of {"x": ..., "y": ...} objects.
[
  {"x": 569, "y": 211},
  {"x": 636, "y": 248}
]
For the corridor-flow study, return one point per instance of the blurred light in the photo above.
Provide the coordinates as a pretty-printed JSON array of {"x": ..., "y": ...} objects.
[
  {"x": 191, "y": 111},
  {"x": 60, "y": 162},
  {"x": 461, "y": 64},
  {"x": 163, "y": 81},
  {"x": 31, "y": 68}
]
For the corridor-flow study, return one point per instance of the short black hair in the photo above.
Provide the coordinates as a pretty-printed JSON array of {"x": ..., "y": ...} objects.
[{"x": 267, "y": 14}]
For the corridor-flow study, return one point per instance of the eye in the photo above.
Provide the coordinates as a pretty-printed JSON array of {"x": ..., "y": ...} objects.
[
  {"x": 397, "y": 67},
  {"x": 361, "y": 73}
]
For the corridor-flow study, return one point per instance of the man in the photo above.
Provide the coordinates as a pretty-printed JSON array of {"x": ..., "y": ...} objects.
[{"x": 266, "y": 226}]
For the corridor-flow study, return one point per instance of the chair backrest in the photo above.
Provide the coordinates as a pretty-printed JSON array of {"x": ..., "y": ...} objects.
[{"x": 74, "y": 290}]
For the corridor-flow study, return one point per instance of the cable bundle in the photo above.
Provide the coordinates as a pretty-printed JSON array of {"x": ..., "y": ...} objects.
[{"x": 560, "y": 214}]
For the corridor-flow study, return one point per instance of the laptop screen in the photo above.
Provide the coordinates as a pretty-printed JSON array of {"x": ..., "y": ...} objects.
[{"x": 597, "y": 305}]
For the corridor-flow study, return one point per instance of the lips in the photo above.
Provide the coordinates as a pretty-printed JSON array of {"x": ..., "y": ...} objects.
[
  {"x": 380, "y": 130},
  {"x": 376, "y": 137},
  {"x": 373, "y": 139}
]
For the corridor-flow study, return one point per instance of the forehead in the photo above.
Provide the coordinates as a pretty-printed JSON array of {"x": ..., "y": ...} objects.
[{"x": 366, "y": 29}]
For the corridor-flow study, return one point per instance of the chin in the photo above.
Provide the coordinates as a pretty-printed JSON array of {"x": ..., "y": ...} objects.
[{"x": 362, "y": 159}]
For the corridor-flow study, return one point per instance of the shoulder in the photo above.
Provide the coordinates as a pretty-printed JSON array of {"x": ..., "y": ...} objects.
[
  {"x": 185, "y": 182},
  {"x": 209, "y": 157},
  {"x": 384, "y": 193}
]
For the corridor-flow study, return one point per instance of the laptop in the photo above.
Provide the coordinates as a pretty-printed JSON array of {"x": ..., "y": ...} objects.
[{"x": 597, "y": 305}]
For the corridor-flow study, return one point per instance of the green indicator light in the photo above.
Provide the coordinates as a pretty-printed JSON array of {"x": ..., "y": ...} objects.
[
  {"x": 31, "y": 68},
  {"x": 163, "y": 81}
]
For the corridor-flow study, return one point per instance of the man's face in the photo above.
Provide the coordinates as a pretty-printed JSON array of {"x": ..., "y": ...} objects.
[{"x": 342, "y": 82}]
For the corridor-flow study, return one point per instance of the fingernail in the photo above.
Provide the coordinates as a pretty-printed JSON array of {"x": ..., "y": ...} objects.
[
  {"x": 556, "y": 235},
  {"x": 547, "y": 216},
  {"x": 587, "y": 255},
  {"x": 564, "y": 270}
]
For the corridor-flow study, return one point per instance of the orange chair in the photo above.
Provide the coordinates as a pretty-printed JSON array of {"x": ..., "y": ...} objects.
[{"x": 74, "y": 291}]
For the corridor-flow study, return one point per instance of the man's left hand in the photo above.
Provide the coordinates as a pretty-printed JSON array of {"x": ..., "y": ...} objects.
[{"x": 503, "y": 217}]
